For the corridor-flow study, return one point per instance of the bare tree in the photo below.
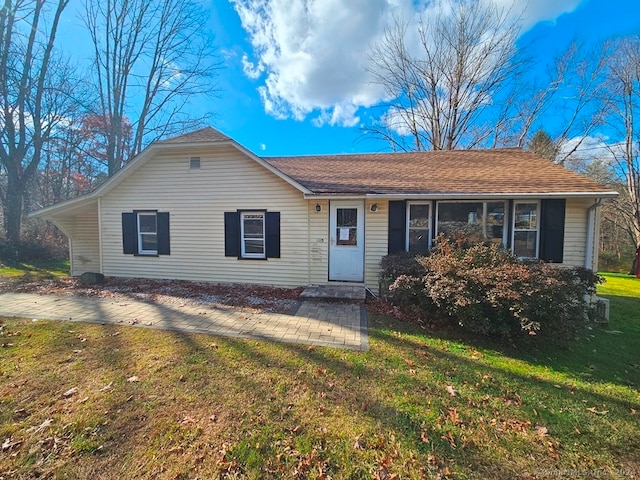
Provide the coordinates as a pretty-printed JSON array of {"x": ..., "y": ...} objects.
[
  {"x": 150, "y": 57},
  {"x": 34, "y": 87},
  {"x": 442, "y": 92},
  {"x": 623, "y": 96},
  {"x": 463, "y": 83},
  {"x": 570, "y": 92}
]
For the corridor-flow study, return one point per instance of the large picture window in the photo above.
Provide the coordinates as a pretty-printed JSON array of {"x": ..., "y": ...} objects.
[
  {"x": 252, "y": 235},
  {"x": 473, "y": 220},
  {"x": 525, "y": 230},
  {"x": 418, "y": 227}
]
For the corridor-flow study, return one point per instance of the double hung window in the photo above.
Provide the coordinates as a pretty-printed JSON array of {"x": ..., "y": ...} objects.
[
  {"x": 525, "y": 230},
  {"x": 252, "y": 243}
]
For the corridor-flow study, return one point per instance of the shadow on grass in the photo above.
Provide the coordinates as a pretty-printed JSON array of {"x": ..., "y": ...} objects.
[{"x": 601, "y": 353}]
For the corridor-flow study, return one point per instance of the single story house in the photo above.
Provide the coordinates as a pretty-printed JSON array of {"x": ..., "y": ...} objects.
[{"x": 202, "y": 207}]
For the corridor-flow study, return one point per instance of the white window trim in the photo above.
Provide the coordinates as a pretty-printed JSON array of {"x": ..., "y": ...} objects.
[
  {"x": 141, "y": 251},
  {"x": 243, "y": 253},
  {"x": 407, "y": 227},
  {"x": 513, "y": 226},
  {"x": 507, "y": 214}
]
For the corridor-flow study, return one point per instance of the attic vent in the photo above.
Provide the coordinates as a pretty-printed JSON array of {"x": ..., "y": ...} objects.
[{"x": 194, "y": 163}]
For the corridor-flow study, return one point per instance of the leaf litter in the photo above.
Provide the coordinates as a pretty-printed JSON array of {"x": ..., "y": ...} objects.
[{"x": 251, "y": 298}]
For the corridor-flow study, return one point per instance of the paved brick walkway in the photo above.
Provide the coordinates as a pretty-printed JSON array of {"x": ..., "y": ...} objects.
[{"x": 322, "y": 324}]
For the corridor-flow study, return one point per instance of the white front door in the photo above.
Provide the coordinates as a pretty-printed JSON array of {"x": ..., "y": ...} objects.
[{"x": 346, "y": 241}]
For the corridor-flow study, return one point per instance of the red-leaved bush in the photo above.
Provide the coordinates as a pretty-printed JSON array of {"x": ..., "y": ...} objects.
[{"x": 485, "y": 289}]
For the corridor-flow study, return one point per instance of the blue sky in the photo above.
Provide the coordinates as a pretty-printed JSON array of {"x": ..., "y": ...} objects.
[
  {"x": 284, "y": 41},
  {"x": 294, "y": 81}
]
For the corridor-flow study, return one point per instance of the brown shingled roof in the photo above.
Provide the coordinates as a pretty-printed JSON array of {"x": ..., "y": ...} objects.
[
  {"x": 206, "y": 134},
  {"x": 495, "y": 171}
]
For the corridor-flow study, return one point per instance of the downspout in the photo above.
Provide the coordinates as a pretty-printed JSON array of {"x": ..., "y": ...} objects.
[
  {"x": 100, "y": 235},
  {"x": 591, "y": 221}
]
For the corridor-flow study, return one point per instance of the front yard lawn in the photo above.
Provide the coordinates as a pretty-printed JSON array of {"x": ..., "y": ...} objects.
[{"x": 102, "y": 402}]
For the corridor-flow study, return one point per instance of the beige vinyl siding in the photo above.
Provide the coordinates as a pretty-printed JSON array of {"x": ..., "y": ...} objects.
[
  {"x": 82, "y": 230},
  {"x": 575, "y": 231},
  {"x": 196, "y": 201},
  {"x": 318, "y": 242},
  {"x": 377, "y": 232}
]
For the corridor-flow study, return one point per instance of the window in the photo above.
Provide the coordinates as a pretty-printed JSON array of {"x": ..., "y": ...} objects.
[
  {"x": 147, "y": 234},
  {"x": 252, "y": 235},
  {"x": 418, "y": 227},
  {"x": 347, "y": 226},
  {"x": 525, "y": 230},
  {"x": 474, "y": 220}
]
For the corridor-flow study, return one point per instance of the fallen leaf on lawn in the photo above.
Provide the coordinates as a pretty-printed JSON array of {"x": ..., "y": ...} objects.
[
  {"x": 21, "y": 412},
  {"x": 42, "y": 426},
  {"x": 424, "y": 437},
  {"x": 452, "y": 391},
  {"x": 633, "y": 411},
  {"x": 133, "y": 379},
  {"x": 541, "y": 431},
  {"x": 213, "y": 418},
  {"x": 408, "y": 362},
  {"x": 449, "y": 438},
  {"x": 453, "y": 415},
  {"x": 597, "y": 412},
  {"x": 83, "y": 400},
  {"x": 70, "y": 392},
  {"x": 8, "y": 444},
  {"x": 107, "y": 387},
  {"x": 188, "y": 420}
]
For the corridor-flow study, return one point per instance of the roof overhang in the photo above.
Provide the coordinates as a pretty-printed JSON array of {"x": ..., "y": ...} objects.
[
  {"x": 75, "y": 204},
  {"x": 459, "y": 196}
]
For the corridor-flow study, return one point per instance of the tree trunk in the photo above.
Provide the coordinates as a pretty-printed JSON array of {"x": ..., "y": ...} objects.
[{"x": 13, "y": 209}]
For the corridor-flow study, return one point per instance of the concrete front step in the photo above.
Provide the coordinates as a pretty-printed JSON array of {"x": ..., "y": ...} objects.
[{"x": 335, "y": 293}]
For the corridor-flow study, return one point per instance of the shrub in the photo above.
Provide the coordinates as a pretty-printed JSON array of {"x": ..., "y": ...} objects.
[
  {"x": 485, "y": 289},
  {"x": 40, "y": 241},
  {"x": 396, "y": 265}
]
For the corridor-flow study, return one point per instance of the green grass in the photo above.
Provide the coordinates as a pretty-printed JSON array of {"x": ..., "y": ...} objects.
[
  {"x": 34, "y": 271},
  {"x": 418, "y": 405}
]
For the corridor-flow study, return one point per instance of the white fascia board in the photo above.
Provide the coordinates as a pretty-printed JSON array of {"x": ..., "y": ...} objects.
[
  {"x": 70, "y": 206},
  {"x": 335, "y": 196}
]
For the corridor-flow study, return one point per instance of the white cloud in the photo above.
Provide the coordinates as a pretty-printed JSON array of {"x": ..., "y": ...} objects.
[
  {"x": 250, "y": 69},
  {"x": 310, "y": 57},
  {"x": 589, "y": 149},
  {"x": 540, "y": 10}
]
